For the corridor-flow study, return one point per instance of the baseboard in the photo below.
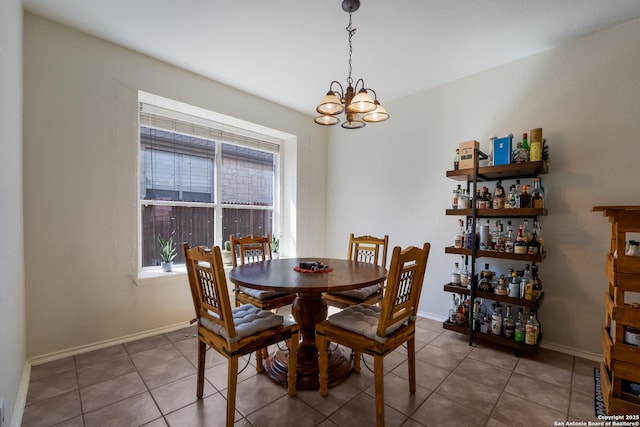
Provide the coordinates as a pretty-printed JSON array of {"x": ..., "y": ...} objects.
[
  {"x": 50, "y": 357},
  {"x": 21, "y": 398},
  {"x": 572, "y": 351},
  {"x": 597, "y": 357}
]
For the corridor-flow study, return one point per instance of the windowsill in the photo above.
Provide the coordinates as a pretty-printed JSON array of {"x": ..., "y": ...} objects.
[
  {"x": 151, "y": 275},
  {"x": 154, "y": 275}
]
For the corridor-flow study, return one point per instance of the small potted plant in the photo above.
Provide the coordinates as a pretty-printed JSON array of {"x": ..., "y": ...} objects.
[
  {"x": 226, "y": 253},
  {"x": 275, "y": 247},
  {"x": 167, "y": 253}
]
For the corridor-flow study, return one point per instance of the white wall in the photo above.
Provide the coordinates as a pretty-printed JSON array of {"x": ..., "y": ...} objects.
[
  {"x": 81, "y": 189},
  {"x": 585, "y": 97},
  {"x": 12, "y": 294}
]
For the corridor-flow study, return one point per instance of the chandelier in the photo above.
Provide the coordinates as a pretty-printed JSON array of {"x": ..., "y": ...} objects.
[{"x": 358, "y": 105}]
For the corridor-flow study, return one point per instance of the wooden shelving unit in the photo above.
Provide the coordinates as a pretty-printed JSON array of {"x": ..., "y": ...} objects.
[
  {"x": 493, "y": 173},
  {"x": 621, "y": 364}
]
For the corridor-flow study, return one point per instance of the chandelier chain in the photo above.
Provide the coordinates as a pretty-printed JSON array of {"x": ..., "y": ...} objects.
[{"x": 351, "y": 32}]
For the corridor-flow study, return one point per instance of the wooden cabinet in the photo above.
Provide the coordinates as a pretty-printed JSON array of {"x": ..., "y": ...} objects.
[
  {"x": 621, "y": 365},
  {"x": 471, "y": 177}
]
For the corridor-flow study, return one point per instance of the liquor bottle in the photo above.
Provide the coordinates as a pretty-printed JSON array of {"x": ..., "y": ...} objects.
[
  {"x": 518, "y": 188},
  {"x": 498, "y": 196},
  {"x": 526, "y": 231},
  {"x": 461, "y": 315},
  {"x": 537, "y": 199},
  {"x": 533, "y": 246},
  {"x": 486, "y": 279},
  {"x": 520, "y": 327},
  {"x": 525, "y": 147},
  {"x": 513, "y": 198},
  {"x": 459, "y": 236},
  {"x": 496, "y": 320},
  {"x": 539, "y": 236},
  {"x": 537, "y": 283},
  {"x": 508, "y": 239},
  {"x": 469, "y": 236},
  {"x": 535, "y": 145},
  {"x": 484, "y": 201},
  {"x": 453, "y": 311},
  {"x": 454, "y": 198},
  {"x": 514, "y": 285},
  {"x": 477, "y": 316},
  {"x": 508, "y": 324},
  {"x": 500, "y": 243},
  {"x": 487, "y": 197},
  {"x": 463, "y": 199},
  {"x": 455, "y": 275},
  {"x": 464, "y": 276},
  {"x": 532, "y": 330},
  {"x": 527, "y": 284},
  {"x": 495, "y": 236},
  {"x": 456, "y": 160},
  {"x": 485, "y": 237},
  {"x": 524, "y": 200},
  {"x": 520, "y": 246}
]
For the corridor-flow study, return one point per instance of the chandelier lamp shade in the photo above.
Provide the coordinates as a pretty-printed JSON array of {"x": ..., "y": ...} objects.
[{"x": 356, "y": 101}]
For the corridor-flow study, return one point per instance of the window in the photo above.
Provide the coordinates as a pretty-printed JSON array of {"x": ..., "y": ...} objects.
[{"x": 201, "y": 181}]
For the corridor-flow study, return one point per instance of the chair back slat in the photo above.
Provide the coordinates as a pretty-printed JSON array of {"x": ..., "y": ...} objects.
[
  {"x": 248, "y": 249},
  {"x": 369, "y": 249},
  {"x": 404, "y": 285},
  {"x": 208, "y": 285}
]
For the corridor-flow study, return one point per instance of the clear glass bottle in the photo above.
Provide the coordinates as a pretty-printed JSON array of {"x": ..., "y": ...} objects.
[
  {"x": 526, "y": 290},
  {"x": 508, "y": 239},
  {"x": 453, "y": 311},
  {"x": 458, "y": 239},
  {"x": 456, "y": 160},
  {"x": 455, "y": 275},
  {"x": 464, "y": 275},
  {"x": 513, "y": 197},
  {"x": 532, "y": 330},
  {"x": 526, "y": 230},
  {"x": 508, "y": 324},
  {"x": 496, "y": 321},
  {"x": 454, "y": 197},
  {"x": 514, "y": 285},
  {"x": 539, "y": 237}
]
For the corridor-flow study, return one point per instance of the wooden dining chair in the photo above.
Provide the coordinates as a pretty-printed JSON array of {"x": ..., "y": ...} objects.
[
  {"x": 232, "y": 332},
  {"x": 379, "y": 330},
  {"x": 248, "y": 249},
  {"x": 372, "y": 250}
]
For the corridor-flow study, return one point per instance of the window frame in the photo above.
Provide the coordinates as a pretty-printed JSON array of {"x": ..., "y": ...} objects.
[{"x": 226, "y": 129}]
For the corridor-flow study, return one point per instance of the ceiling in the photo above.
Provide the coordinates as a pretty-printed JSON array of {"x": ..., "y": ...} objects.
[{"x": 289, "y": 51}]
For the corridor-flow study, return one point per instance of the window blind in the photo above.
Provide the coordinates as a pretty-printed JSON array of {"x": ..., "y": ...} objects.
[{"x": 176, "y": 121}]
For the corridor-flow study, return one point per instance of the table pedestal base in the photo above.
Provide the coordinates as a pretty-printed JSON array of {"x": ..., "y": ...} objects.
[
  {"x": 308, "y": 309},
  {"x": 340, "y": 366}
]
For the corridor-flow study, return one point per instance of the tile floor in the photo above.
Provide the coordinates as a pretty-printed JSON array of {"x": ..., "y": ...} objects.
[{"x": 152, "y": 382}]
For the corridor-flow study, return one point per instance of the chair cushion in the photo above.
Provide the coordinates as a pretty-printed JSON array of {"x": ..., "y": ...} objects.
[
  {"x": 260, "y": 294},
  {"x": 362, "y": 319},
  {"x": 361, "y": 293},
  {"x": 247, "y": 319}
]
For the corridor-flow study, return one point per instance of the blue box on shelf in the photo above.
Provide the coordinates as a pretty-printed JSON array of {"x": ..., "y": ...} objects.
[{"x": 502, "y": 150}]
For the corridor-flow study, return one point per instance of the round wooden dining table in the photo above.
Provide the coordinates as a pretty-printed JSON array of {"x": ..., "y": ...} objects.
[{"x": 308, "y": 309}]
